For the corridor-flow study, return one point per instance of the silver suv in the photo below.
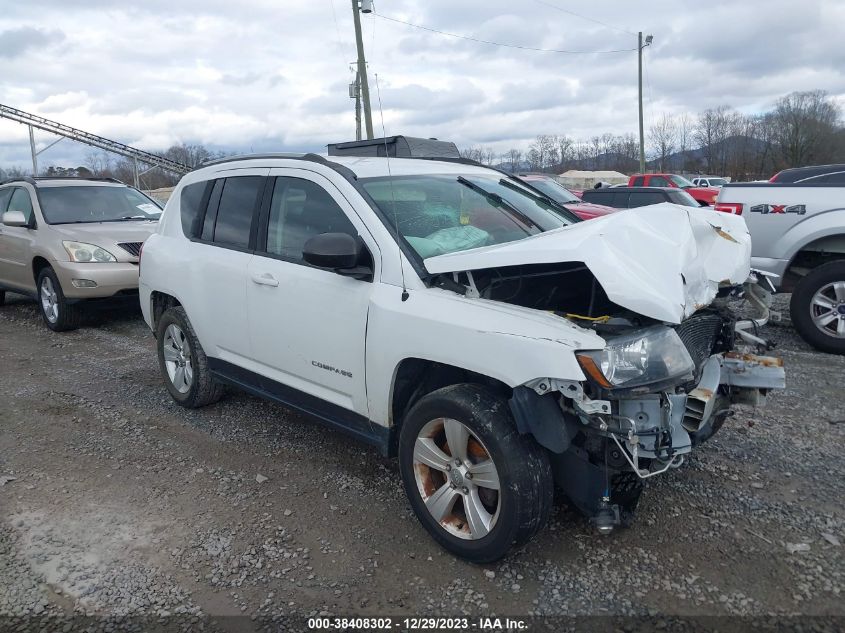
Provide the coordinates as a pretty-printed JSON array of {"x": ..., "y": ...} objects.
[{"x": 66, "y": 240}]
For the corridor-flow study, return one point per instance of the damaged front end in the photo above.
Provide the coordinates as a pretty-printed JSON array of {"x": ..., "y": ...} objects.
[{"x": 651, "y": 395}]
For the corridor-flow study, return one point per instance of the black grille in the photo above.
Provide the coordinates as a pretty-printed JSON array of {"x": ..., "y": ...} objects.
[
  {"x": 699, "y": 334},
  {"x": 133, "y": 248}
]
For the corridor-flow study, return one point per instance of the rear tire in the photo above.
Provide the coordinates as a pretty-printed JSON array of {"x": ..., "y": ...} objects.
[
  {"x": 508, "y": 495},
  {"x": 58, "y": 314},
  {"x": 183, "y": 363},
  {"x": 818, "y": 307}
]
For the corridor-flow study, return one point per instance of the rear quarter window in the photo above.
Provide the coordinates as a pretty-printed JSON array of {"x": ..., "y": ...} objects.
[{"x": 191, "y": 207}]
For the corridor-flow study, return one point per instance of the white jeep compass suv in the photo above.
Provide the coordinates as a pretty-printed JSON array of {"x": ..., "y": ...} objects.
[{"x": 458, "y": 318}]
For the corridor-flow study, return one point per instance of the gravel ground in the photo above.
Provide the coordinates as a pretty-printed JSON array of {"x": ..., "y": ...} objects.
[{"x": 124, "y": 504}]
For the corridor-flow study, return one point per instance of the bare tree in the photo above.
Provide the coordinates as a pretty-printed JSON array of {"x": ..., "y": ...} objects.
[
  {"x": 663, "y": 136},
  {"x": 514, "y": 156},
  {"x": 804, "y": 126},
  {"x": 685, "y": 129}
]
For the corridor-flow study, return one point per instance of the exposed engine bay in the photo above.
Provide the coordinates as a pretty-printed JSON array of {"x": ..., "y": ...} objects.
[{"x": 610, "y": 433}]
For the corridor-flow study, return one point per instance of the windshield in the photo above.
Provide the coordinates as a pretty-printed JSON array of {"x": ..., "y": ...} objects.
[
  {"x": 681, "y": 182},
  {"x": 554, "y": 190},
  {"x": 95, "y": 203},
  {"x": 439, "y": 214}
]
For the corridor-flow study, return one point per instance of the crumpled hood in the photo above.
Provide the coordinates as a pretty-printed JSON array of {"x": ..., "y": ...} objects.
[{"x": 664, "y": 261}]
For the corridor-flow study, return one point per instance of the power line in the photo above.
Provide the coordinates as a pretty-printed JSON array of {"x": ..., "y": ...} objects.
[
  {"x": 480, "y": 41},
  {"x": 583, "y": 17}
]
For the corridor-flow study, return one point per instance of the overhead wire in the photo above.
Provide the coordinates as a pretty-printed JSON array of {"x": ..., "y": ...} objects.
[
  {"x": 583, "y": 17},
  {"x": 502, "y": 44}
]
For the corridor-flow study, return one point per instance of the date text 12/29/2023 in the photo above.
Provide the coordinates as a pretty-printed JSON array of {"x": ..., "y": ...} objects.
[{"x": 331, "y": 623}]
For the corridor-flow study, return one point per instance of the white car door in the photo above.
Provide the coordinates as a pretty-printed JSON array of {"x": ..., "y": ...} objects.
[
  {"x": 308, "y": 325},
  {"x": 219, "y": 261}
]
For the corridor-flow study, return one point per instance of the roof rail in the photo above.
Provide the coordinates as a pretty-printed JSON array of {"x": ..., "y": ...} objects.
[
  {"x": 28, "y": 179},
  {"x": 227, "y": 159}
]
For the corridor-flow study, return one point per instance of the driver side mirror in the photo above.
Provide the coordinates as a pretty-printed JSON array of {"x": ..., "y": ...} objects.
[
  {"x": 15, "y": 218},
  {"x": 339, "y": 252}
]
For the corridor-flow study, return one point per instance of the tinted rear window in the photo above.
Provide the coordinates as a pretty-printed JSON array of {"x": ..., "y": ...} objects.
[
  {"x": 237, "y": 207},
  {"x": 189, "y": 207}
]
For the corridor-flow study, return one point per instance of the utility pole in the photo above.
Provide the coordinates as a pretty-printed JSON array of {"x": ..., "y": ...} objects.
[
  {"x": 355, "y": 93},
  {"x": 640, "y": 47},
  {"x": 362, "y": 63},
  {"x": 34, "y": 153}
]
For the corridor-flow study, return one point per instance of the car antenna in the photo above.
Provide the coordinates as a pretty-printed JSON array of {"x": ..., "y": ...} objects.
[{"x": 405, "y": 294}]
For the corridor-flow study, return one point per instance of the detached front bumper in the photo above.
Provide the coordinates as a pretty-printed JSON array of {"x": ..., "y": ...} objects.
[{"x": 96, "y": 280}]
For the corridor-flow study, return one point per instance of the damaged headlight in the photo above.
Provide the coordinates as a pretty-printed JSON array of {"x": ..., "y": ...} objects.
[{"x": 643, "y": 357}]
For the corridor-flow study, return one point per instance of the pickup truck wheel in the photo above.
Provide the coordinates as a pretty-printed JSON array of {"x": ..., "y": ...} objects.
[
  {"x": 58, "y": 314},
  {"x": 474, "y": 482},
  {"x": 818, "y": 308},
  {"x": 183, "y": 362}
]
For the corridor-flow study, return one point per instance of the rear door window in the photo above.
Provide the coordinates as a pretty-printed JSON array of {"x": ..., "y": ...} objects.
[
  {"x": 598, "y": 197},
  {"x": 645, "y": 198},
  {"x": 233, "y": 220},
  {"x": 658, "y": 181},
  {"x": 638, "y": 181}
]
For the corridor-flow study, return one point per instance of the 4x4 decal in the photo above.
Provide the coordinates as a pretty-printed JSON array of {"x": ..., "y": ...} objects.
[{"x": 798, "y": 209}]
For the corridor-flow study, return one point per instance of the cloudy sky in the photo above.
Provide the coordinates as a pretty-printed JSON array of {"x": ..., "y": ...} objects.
[{"x": 272, "y": 75}]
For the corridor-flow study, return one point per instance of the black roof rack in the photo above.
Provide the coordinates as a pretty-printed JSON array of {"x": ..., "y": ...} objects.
[{"x": 397, "y": 147}]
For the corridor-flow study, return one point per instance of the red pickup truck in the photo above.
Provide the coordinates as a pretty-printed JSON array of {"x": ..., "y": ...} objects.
[{"x": 705, "y": 196}]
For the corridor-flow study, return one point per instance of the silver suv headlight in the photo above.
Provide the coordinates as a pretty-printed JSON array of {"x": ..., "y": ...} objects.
[
  {"x": 86, "y": 253},
  {"x": 644, "y": 357}
]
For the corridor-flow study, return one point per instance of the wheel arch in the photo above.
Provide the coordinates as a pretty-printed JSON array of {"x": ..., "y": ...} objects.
[
  {"x": 39, "y": 263},
  {"x": 414, "y": 378},
  {"x": 815, "y": 252},
  {"x": 160, "y": 302}
]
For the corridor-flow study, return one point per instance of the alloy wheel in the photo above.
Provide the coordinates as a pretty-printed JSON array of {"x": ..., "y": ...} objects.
[
  {"x": 827, "y": 309},
  {"x": 456, "y": 478},
  {"x": 49, "y": 300},
  {"x": 177, "y": 358}
]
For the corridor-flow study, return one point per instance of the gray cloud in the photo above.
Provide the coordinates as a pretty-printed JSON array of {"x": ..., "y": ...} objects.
[
  {"x": 269, "y": 75},
  {"x": 15, "y": 42}
]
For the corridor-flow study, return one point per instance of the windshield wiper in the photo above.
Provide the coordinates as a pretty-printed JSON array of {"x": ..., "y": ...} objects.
[
  {"x": 127, "y": 218},
  {"x": 540, "y": 196},
  {"x": 499, "y": 202}
]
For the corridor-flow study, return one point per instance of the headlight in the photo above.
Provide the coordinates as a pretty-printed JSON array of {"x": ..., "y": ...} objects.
[
  {"x": 85, "y": 253},
  {"x": 652, "y": 355}
]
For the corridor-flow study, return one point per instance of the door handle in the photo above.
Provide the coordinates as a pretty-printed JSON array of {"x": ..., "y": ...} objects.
[{"x": 265, "y": 279}]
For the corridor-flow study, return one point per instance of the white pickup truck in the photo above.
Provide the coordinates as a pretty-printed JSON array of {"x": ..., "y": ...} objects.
[{"x": 798, "y": 234}]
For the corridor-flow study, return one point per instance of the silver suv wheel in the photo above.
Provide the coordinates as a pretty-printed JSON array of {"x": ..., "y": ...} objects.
[
  {"x": 827, "y": 309},
  {"x": 456, "y": 478},
  {"x": 49, "y": 300},
  {"x": 177, "y": 358}
]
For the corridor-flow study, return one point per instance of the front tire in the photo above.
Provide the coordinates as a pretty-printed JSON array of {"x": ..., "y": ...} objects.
[
  {"x": 818, "y": 307},
  {"x": 183, "y": 363},
  {"x": 58, "y": 314},
  {"x": 476, "y": 485}
]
